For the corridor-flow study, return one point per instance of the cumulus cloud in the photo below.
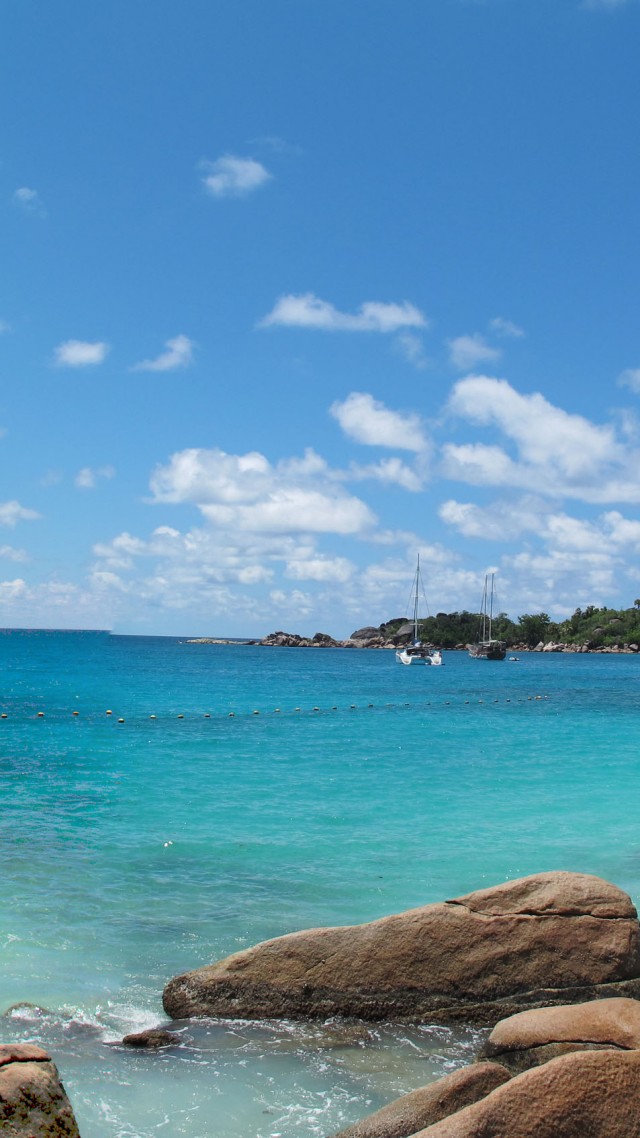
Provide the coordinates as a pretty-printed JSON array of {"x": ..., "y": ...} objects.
[
  {"x": 29, "y": 200},
  {"x": 411, "y": 347},
  {"x": 320, "y": 568},
  {"x": 80, "y": 353},
  {"x": 12, "y": 512},
  {"x": 10, "y": 553},
  {"x": 389, "y": 471},
  {"x": 309, "y": 311},
  {"x": 246, "y": 492},
  {"x": 467, "y": 352},
  {"x": 558, "y": 453},
  {"x": 233, "y": 177},
  {"x": 87, "y": 477},
  {"x": 368, "y": 421},
  {"x": 178, "y": 354}
]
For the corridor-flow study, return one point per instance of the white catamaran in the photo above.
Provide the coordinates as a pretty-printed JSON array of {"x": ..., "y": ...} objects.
[
  {"x": 416, "y": 652},
  {"x": 486, "y": 648}
]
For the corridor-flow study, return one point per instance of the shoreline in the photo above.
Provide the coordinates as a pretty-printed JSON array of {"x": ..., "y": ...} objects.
[{"x": 320, "y": 640}]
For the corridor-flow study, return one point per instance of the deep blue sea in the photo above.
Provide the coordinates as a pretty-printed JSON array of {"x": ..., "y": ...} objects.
[{"x": 132, "y": 851}]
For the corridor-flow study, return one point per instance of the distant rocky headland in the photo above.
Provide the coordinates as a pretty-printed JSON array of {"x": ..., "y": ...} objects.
[{"x": 593, "y": 629}]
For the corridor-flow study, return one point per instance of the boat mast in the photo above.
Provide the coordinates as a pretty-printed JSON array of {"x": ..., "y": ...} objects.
[
  {"x": 491, "y": 607},
  {"x": 484, "y": 610},
  {"x": 415, "y": 602}
]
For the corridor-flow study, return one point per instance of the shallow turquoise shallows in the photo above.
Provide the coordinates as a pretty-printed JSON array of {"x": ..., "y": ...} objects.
[{"x": 132, "y": 851}]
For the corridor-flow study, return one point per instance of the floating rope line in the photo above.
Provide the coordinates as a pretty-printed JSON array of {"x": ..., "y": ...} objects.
[{"x": 313, "y": 711}]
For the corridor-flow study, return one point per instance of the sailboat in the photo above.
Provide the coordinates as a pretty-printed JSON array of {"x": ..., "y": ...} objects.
[
  {"x": 416, "y": 652},
  {"x": 486, "y": 648}
]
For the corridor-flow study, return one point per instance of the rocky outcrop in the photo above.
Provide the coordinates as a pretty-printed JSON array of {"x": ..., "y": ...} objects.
[
  {"x": 553, "y": 938},
  {"x": 530, "y": 1038},
  {"x": 429, "y": 1104},
  {"x": 585, "y": 1095},
  {"x": 152, "y": 1039},
  {"x": 33, "y": 1102},
  {"x": 292, "y": 640}
]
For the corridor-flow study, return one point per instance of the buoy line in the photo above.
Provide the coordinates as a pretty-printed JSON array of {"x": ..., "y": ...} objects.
[{"x": 282, "y": 712}]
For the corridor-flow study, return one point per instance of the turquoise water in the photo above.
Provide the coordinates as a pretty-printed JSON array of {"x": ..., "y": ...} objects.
[{"x": 133, "y": 851}]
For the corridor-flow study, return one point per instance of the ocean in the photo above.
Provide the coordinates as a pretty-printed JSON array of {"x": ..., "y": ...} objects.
[{"x": 275, "y": 789}]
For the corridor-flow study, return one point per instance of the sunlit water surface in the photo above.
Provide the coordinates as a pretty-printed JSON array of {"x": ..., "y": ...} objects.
[{"x": 134, "y": 851}]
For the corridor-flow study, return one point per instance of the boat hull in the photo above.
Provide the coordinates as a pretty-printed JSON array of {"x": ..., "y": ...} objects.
[
  {"x": 423, "y": 657},
  {"x": 487, "y": 650}
]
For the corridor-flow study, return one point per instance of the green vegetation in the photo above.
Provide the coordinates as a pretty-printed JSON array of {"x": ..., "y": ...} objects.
[{"x": 595, "y": 627}]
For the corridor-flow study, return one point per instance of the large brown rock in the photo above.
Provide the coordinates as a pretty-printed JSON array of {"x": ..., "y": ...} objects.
[
  {"x": 533, "y": 1037},
  {"x": 584, "y": 1095},
  {"x": 551, "y": 938},
  {"x": 429, "y": 1104},
  {"x": 33, "y": 1101}
]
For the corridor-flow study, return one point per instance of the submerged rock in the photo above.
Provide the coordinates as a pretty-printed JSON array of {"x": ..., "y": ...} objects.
[
  {"x": 151, "y": 1039},
  {"x": 429, "y": 1104},
  {"x": 33, "y": 1101},
  {"x": 552, "y": 938},
  {"x": 530, "y": 1038},
  {"x": 585, "y": 1095}
]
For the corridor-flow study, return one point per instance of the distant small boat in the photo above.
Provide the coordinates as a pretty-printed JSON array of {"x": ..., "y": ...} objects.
[
  {"x": 514, "y": 659},
  {"x": 416, "y": 652},
  {"x": 486, "y": 648}
]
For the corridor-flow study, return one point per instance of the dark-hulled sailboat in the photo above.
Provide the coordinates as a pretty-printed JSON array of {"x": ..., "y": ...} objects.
[{"x": 486, "y": 648}]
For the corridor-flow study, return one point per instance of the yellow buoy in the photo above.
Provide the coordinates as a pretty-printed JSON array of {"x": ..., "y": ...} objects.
[
  {"x": 152, "y": 717},
  {"x": 4, "y": 715},
  {"x": 181, "y": 717},
  {"x": 121, "y": 721},
  {"x": 207, "y": 715},
  {"x": 108, "y": 713},
  {"x": 75, "y": 712},
  {"x": 41, "y": 715}
]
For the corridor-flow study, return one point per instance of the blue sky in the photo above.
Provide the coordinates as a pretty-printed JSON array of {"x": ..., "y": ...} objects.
[{"x": 294, "y": 290}]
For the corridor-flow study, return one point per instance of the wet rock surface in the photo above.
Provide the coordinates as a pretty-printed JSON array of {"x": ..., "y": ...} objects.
[
  {"x": 534, "y": 1037},
  {"x": 152, "y": 1039},
  {"x": 429, "y": 1104},
  {"x": 583, "y": 1095},
  {"x": 33, "y": 1101},
  {"x": 553, "y": 938}
]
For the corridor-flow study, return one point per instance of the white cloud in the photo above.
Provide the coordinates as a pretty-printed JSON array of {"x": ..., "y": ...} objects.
[
  {"x": 178, "y": 354},
  {"x": 466, "y": 352},
  {"x": 87, "y": 477},
  {"x": 389, "y": 471},
  {"x": 560, "y": 453},
  {"x": 478, "y": 464},
  {"x": 12, "y": 512},
  {"x": 29, "y": 200},
  {"x": 248, "y": 493},
  {"x": 309, "y": 311},
  {"x": 235, "y": 177},
  {"x": 630, "y": 378},
  {"x": 320, "y": 568},
  {"x": 9, "y": 553},
  {"x": 80, "y": 353},
  {"x": 368, "y": 421},
  {"x": 502, "y": 521},
  {"x": 506, "y": 328}
]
